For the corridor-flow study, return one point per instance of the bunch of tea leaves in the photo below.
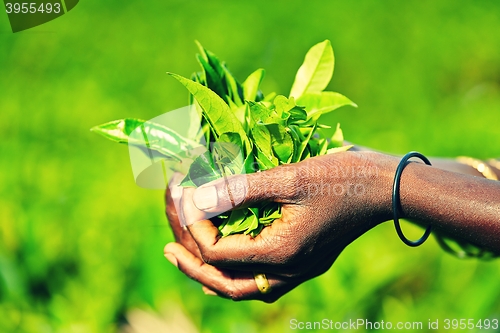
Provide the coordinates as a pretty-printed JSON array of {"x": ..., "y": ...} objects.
[{"x": 243, "y": 130}]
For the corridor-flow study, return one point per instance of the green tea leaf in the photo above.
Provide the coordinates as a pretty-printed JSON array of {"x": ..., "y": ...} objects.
[
  {"x": 319, "y": 103},
  {"x": 271, "y": 212},
  {"x": 313, "y": 147},
  {"x": 211, "y": 59},
  {"x": 323, "y": 146},
  {"x": 264, "y": 162},
  {"x": 281, "y": 142},
  {"x": 235, "y": 90},
  {"x": 298, "y": 115},
  {"x": 253, "y": 220},
  {"x": 338, "y": 149},
  {"x": 283, "y": 104},
  {"x": 337, "y": 139},
  {"x": 240, "y": 113},
  {"x": 227, "y": 154},
  {"x": 254, "y": 233},
  {"x": 276, "y": 214},
  {"x": 307, "y": 153},
  {"x": 288, "y": 112},
  {"x": 316, "y": 71},
  {"x": 249, "y": 164},
  {"x": 212, "y": 79},
  {"x": 262, "y": 139},
  {"x": 237, "y": 222},
  {"x": 150, "y": 135},
  {"x": 269, "y": 97},
  {"x": 219, "y": 78},
  {"x": 302, "y": 144},
  {"x": 251, "y": 85},
  {"x": 202, "y": 171},
  {"x": 297, "y": 139},
  {"x": 187, "y": 182},
  {"x": 215, "y": 110},
  {"x": 260, "y": 114}
]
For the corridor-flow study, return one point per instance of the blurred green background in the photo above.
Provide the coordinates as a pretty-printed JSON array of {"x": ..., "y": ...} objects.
[{"x": 81, "y": 244}]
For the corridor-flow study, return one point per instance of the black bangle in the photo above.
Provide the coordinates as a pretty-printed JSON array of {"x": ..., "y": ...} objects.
[{"x": 396, "y": 203}]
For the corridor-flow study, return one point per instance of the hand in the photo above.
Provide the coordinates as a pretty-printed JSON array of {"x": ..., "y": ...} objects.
[{"x": 327, "y": 202}]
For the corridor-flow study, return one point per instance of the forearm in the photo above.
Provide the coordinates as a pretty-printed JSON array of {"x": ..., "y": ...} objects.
[{"x": 462, "y": 206}]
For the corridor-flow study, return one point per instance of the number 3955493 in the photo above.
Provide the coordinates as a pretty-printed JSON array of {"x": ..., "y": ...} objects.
[{"x": 33, "y": 8}]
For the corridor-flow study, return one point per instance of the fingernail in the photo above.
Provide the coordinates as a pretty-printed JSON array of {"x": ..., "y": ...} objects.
[
  {"x": 205, "y": 197},
  {"x": 170, "y": 257},
  {"x": 207, "y": 291},
  {"x": 176, "y": 192}
]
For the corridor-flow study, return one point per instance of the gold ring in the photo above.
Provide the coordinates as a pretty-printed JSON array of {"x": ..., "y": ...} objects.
[{"x": 262, "y": 282}]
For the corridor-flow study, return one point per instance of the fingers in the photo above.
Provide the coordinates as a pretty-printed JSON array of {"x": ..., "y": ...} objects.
[
  {"x": 235, "y": 191},
  {"x": 274, "y": 245},
  {"x": 190, "y": 212},
  {"x": 274, "y": 248},
  {"x": 202, "y": 238},
  {"x": 235, "y": 285},
  {"x": 173, "y": 196},
  {"x": 207, "y": 236},
  {"x": 211, "y": 277}
]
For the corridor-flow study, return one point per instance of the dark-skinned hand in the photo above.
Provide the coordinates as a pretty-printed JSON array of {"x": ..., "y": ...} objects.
[{"x": 327, "y": 202}]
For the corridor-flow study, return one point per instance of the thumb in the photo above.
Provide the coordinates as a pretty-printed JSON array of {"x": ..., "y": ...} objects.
[{"x": 231, "y": 192}]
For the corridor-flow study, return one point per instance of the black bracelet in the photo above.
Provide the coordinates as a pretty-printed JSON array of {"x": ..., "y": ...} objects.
[{"x": 396, "y": 202}]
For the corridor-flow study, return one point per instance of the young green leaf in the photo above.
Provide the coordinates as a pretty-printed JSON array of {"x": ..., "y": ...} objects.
[
  {"x": 319, "y": 103},
  {"x": 263, "y": 162},
  {"x": 262, "y": 139},
  {"x": 283, "y": 104},
  {"x": 149, "y": 135},
  {"x": 215, "y": 110},
  {"x": 298, "y": 115},
  {"x": 219, "y": 78},
  {"x": 241, "y": 113},
  {"x": 253, "y": 220},
  {"x": 281, "y": 142},
  {"x": 251, "y": 85},
  {"x": 269, "y": 97},
  {"x": 316, "y": 71},
  {"x": 249, "y": 164},
  {"x": 202, "y": 171},
  {"x": 261, "y": 114},
  {"x": 338, "y": 149},
  {"x": 323, "y": 146},
  {"x": 212, "y": 79},
  {"x": 302, "y": 143},
  {"x": 211, "y": 60},
  {"x": 237, "y": 222},
  {"x": 263, "y": 147},
  {"x": 228, "y": 154},
  {"x": 337, "y": 139},
  {"x": 235, "y": 90}
]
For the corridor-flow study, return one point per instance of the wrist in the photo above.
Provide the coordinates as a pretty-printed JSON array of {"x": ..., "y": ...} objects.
[{"x": 378, "y": 185}]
